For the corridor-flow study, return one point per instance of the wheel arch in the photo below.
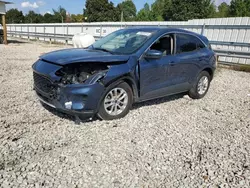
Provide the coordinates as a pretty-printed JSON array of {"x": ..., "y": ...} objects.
[
  {"x": 133, "y": 86},
  {"x": 210, "y": 71},
  {"x": 124, "y": 79},
  {"x": 130, "y": 81}
]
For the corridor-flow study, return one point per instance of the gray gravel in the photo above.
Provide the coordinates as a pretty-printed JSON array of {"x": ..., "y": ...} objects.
[{"x": 170, "y": 142}]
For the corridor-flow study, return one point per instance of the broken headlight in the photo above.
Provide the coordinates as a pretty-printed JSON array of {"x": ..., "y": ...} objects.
[
  {"x": 98, "y": 76},
  {"x": 75, "y": 78},
  {"x": 80, "y": 74}
]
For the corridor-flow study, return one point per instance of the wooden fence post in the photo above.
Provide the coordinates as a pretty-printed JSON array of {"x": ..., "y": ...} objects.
[{"x": 4, "y": 30}]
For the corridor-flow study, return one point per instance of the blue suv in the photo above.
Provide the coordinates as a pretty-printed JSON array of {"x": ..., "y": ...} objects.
[{"x": 128, "y": 66}]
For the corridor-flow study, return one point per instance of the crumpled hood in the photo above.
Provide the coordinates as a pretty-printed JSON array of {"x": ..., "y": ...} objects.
[{"x": 79, "y": 55}]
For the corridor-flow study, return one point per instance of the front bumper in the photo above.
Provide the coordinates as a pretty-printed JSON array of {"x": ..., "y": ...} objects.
[
  {"x": 83, "y": 114},
  {"x": 77, "y": 100}
]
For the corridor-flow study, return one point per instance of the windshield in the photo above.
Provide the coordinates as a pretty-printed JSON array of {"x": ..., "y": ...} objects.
[{"x": 123, "y": 41}]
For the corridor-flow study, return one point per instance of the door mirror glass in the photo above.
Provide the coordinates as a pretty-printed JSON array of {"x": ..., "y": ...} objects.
[{"x": 153, "y": 54}]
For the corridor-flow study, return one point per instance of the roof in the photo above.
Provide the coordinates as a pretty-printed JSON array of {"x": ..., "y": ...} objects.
[
  {"x": 148, "y": 28},
  {"x": 160, "y": 29},
  {"x": 5, "y": 2}
]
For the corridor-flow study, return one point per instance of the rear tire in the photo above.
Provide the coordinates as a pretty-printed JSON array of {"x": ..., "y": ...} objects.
[
  {"x": 201, "y": 86},
  {"x": 116, "y": 103}
]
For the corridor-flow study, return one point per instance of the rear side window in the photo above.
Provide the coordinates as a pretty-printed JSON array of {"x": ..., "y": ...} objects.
[{"x": 187, "y": 43}]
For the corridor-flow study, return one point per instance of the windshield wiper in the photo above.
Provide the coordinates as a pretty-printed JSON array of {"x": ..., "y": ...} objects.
[{"x": 103, "y": 49}]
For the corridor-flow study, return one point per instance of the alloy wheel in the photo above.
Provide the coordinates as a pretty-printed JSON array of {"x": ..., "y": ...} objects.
[
  {"x": 116, "y": 101},
  {"x": 203, "y": 85}
]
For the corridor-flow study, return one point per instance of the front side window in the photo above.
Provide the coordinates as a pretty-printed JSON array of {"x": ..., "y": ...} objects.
[
  {"x": 187, "y": 43},
  {"x": 164, "y": 44},
  {"x": 123, "y": 41}
]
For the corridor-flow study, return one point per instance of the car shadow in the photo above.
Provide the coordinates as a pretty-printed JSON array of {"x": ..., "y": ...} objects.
[
  {"x": 158, "y": 101},
  {"x": 16, "y": 42},
  {"x": 62, "y": 115},
  {"x": 136, "y": 106}
]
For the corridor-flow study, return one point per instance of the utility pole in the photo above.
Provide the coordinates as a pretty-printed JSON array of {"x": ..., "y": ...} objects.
[
  {"x": 61, "y": 16},
  {"x": 122, "y": 16}
]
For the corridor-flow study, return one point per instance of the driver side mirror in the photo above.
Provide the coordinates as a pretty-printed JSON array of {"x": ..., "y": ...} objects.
[{"x": 153, "y": 54}]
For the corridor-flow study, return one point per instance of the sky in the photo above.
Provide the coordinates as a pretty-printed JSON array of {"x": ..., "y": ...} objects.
[{"x": 72, "y": 6}]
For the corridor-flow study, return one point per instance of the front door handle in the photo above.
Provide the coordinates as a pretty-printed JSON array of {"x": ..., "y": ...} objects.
[
  {"x": 172, "y": 63},
  {"x": 202, "y": 58}
]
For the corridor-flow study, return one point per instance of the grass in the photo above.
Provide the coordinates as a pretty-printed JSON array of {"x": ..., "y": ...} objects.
[{"x": 240, "y": 67}]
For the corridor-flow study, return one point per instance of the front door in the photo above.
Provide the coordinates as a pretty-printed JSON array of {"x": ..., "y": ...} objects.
[
  {"x": 153, "y": 72},
  {"x": 153, "y": 77}
]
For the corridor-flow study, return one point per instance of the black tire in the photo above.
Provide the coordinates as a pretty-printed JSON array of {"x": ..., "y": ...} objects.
[
  {"x": 1, "y": 39},
  {"x": 104, "y": 115},
  {"x": 193, "y": 92}
]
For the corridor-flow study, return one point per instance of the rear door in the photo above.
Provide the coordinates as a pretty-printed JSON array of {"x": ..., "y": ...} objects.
[{"x": 185, "y": 67}]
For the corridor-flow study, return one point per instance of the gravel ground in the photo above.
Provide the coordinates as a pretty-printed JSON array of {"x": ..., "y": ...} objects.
[{"x": 170, "y": 142}]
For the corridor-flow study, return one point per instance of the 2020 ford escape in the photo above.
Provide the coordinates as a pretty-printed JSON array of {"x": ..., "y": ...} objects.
[{"x": 127, "y": 66}]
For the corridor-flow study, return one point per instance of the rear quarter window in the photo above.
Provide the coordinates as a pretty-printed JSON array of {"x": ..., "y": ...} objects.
[{"x": 187, "y": 43}]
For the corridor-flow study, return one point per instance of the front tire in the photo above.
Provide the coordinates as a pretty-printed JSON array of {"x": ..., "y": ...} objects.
[
  {"x": 201, "y": 86},
  {"x": 1, "y": 39},
  {"x": 116, "y": 102}
]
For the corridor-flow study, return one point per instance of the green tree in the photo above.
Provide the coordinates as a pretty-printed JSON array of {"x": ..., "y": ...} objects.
[
  {"x": 33, "y": 17},
  {"x": 77, "y": 18},
  {"x": 161, "y": 9},
  {"x": 60, "y": 15},
  {"x": 14, "y": 16},
  {"x": 48, "y": 18},
  {"x": 100, "y": 11},
  {"x": 223, "y": 10},
  {"x": 183, "y": 10},
  {"x": 238, "y": 8},
  {"x": 248, "y": 7},
  {"x": 145, "y": 14},
  {"x": 211, "y": 10},
  {"x": 128, "y": 9}
]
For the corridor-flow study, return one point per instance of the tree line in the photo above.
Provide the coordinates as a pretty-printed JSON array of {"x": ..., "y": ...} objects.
[{"x": 160, "y": 10}]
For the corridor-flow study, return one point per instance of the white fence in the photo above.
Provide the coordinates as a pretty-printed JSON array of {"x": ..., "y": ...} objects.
[{"x": 230, "y": 37}]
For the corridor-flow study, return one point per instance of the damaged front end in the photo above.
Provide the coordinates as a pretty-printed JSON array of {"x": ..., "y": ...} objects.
[
  {"x": 74, "y": 89},
  {"x": 81, "y": 73}
]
